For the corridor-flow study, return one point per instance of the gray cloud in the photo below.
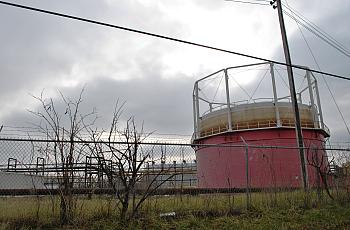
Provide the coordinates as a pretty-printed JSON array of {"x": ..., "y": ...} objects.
[{"x": 41, "y": 51}]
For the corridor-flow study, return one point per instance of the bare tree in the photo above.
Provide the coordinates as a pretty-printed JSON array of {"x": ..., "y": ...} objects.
[
  {"x": 126, "y": 164},
  {"x": 319, "y": 161},
  {"x": 62, "y": 129}
]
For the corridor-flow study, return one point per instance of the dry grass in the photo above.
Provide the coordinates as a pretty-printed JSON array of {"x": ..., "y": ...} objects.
[{"x": 43, "y": 212}]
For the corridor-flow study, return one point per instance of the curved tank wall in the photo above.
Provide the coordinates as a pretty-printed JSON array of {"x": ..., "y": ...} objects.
[{"x": 224, "y": 167}]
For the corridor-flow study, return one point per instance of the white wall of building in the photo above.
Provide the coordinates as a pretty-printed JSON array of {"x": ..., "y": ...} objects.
[{"x": 11, "y": 180}]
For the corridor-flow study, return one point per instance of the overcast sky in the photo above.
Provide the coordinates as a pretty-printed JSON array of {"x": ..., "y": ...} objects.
[{"x": 155, "y": 77}]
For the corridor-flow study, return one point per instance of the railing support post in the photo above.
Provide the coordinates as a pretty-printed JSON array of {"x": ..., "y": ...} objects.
[
  {"x": 229, "y": 118},
  {"x": 275, "y": 98}
]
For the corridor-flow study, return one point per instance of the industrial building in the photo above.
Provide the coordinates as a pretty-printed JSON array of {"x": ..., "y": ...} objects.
[{"x": 13, "y": 180}]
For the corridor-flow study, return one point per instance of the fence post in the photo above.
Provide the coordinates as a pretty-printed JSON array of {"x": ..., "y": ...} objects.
[{"x": 247, "y": 173}]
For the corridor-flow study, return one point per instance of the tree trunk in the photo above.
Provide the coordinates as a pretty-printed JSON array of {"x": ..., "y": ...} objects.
[{"x": 63, "y": 211}]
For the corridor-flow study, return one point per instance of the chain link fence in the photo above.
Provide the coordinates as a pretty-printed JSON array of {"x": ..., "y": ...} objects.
[
  {"x": 187, "y": 176},
  {"x": 38, "y": 165}
]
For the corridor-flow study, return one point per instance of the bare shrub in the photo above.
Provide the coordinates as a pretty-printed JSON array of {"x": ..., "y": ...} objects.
[
  {"x": 63, "y": 128},
  {"x": 126, "y": 164}
]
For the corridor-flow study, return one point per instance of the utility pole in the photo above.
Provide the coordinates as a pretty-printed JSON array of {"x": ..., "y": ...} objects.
[{"x": 293, "y": 95}]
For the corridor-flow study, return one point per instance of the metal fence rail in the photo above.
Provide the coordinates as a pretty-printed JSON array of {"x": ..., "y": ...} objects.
[{"x": 30, "y": 164}]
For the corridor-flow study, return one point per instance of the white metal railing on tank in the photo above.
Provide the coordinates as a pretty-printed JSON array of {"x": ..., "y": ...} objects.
[
  {"x": 308, "y": 95},
  {"x": 216, "y": 106},
  {"x": 287, "y": 123}
]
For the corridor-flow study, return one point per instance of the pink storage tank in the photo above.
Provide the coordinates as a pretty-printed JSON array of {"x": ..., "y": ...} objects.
[{"x": 266, "y": 123}]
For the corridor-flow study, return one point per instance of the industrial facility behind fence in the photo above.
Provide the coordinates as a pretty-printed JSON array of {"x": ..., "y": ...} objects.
[{"x": 39, "y": 167}]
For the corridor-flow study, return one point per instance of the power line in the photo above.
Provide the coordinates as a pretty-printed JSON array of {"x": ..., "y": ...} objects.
[
  {"x": 165, "y": 37},
  {"x": 316, "y": 28},
  {"x": 326, "y": 83},
  {"x": 256, "y": 2},
  {"x": 320, "y": 34}
]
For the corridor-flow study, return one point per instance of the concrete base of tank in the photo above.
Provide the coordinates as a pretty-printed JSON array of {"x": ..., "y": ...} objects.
[{"x": 225, "y": 167}]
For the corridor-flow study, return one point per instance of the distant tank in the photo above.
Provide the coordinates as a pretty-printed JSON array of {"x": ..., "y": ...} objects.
[{"x": 261, "y": 122}]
